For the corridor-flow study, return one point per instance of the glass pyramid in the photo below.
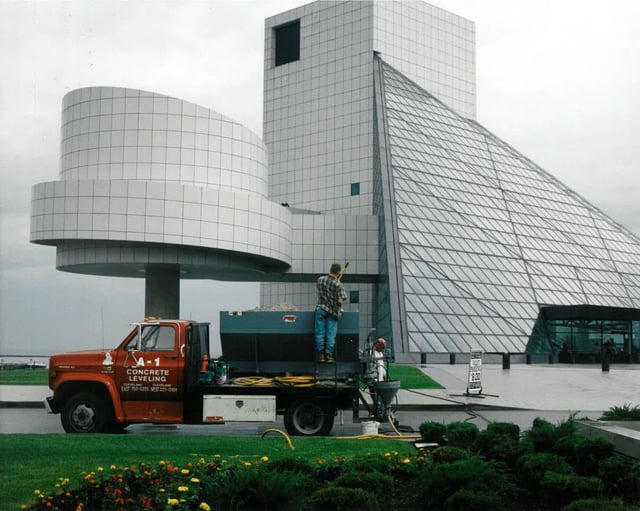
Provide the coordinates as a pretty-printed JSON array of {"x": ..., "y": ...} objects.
[{"x": 478, "y": 238}]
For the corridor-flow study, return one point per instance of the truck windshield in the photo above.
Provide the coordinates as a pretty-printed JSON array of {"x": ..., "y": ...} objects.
[{"x": 154, "y": 338}]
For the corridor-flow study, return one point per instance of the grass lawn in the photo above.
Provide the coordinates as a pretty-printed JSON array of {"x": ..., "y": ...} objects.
[
  {"x": 410, "y": 377},
  {"x": 35, "y": 462},
  {"x": 24, "y": 376}
]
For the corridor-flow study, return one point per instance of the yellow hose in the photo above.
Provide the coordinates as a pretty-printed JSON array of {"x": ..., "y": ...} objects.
[
  {"x": 398, "y": 435},
  {"x": 261, "y": 381},
  {"x": 297, "y": 381},
  {"x": 393, "y": 426},
  {"x": 253, "y": 381},
  {"x": 379, "y": 435},
  {"x": 310, "y": 381},
  {"x": 279, "y": 431}
]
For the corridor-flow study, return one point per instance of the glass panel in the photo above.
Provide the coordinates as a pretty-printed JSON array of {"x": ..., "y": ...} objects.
[{"x": 480, "y": 223}]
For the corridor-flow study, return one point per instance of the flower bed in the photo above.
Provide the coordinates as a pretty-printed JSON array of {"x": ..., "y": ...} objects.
[
  {"x": 548, "y": 467},
  {"x": 237, "y": 483}
]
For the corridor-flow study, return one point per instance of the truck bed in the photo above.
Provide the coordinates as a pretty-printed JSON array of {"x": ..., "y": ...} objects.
[{"x": 273, "y": 343}]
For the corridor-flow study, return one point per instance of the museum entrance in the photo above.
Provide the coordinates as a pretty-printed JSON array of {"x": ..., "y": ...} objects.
[{"x": 581, "y": 333}]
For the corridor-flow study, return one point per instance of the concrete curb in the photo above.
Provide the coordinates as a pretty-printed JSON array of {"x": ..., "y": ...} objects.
[
  {"x": 624, "y": 435},
  {"x": 21, "y": 404},
  {"x": 416, "y": 407}
]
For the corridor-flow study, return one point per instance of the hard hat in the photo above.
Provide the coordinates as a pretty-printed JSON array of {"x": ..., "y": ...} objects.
[{"x": 380, "y": 340}]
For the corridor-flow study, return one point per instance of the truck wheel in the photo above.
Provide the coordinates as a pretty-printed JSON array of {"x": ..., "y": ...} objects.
[
  {"x": 86, "y": 413},
  {"x": 308, "y": 418}
]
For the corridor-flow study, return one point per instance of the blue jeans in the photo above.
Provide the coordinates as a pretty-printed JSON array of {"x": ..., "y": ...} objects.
[{"x": 326, "y": 330}]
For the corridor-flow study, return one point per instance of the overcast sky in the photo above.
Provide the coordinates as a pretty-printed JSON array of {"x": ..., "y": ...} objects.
[{"x": 558, "y": 80}]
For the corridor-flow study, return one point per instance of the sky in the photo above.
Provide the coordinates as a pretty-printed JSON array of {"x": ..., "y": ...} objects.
[{"x": 558, "y": 80}]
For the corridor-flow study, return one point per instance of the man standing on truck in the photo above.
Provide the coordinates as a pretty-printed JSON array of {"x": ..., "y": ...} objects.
[{"x": 331, "y": 294}]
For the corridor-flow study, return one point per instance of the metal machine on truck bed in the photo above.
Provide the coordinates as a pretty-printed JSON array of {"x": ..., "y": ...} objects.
[{"x": 163, "y": 372}]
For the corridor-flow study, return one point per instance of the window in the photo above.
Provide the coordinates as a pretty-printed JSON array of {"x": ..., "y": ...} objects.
[
  {"x": 354, "y": 297},
  {"x": 154, "y": 338},
  {"x": 287, "y": 39},
  {"x": 355, "y": 188}
]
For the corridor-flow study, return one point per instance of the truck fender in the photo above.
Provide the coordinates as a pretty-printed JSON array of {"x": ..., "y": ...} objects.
[{"x": 88, "y": 378}]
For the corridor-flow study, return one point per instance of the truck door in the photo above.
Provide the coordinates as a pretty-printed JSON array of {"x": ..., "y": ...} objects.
[{"x": 149, "y": 373}]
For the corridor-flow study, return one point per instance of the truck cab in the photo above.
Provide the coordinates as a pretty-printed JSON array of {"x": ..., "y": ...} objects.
[{"x": 141, "y": 380}]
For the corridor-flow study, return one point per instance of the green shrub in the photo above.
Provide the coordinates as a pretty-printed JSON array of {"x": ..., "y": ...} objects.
[
  {"x": 250, "y": 488},
  {"x": 461, "y": 434},
  {"x": 539, "y": 421},
  {"x": 449, "y": 454},
  {"x": 344, "y": 499},
  {"x": 380, "y": 485},
  {"x": 284, "y": 490},
  {"x": 500, "y": 444},
  {"x": 532, "y": 467},
  {"x": 562, "y": 489},
  {"x": 509, "y": 451},
  {"x": 329, "y": 470},
  {"x": 621, "y": 477},
  {"x": 467, "y": 500},
  {"x": 567, "y": 447},
  {"x": 598, "y": 505},
  {"x": 584, "y": 452},
  {"x": 504, "y": 429},
  {"x": 484, "y": 441},
  {"x": 433, "y": 432},
  {"x": 290, "y": 464},
  {"x": 625, "y": 412},
  {"x": 369, "y": 463},
  {"x": 567, "y": 427},
  {"x": 441, "y": 481},
  {"x": 542, "y": 435},
  {"x": 634, "y": 476},
  {"x": 496, "y": 432}
]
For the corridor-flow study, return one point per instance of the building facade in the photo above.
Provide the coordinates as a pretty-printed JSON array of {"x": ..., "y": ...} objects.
[
  {"x": 319, "y": 117},
  {"x": 369, "y": 109},
  {"x": 371, "y": 155},
  {"x": 158, "y": 188}
]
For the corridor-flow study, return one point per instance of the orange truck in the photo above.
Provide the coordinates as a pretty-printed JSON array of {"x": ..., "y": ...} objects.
[{"x": 163, "y": 373}]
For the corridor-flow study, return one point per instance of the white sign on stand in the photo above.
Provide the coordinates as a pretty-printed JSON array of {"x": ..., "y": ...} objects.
[{"x": 474, "y": 385}]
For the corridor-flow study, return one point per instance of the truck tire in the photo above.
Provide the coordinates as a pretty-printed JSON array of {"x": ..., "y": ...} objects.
[
  {"x": 86, "y": 413},
  {"x": 307, "y": 417}
]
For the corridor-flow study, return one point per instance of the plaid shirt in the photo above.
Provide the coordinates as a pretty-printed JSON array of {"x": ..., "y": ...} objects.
[{"x": 330, "y": 290}]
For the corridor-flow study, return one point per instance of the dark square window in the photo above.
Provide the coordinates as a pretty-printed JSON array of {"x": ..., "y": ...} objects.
[
  {"x": 287, "y": 42},
  {"x": 354, "y": 297},
  {"x": 355, "y": 188}
]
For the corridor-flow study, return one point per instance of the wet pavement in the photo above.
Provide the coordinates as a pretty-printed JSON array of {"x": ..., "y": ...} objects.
[
  {"x": 518, "y": 394},
  {"x": 580, "y": 388},
  {"x": 542, "y": 386}
]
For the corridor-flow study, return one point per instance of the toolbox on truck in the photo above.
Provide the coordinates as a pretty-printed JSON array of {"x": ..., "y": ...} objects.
[
  {"x": 274, "y": 342},
  {"x": 221, "y": 408}
]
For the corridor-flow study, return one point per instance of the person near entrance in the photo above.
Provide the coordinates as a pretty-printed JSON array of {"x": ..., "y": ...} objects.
[
  {"x": 331, "y": 295},
  {"x": 609, "y": 350}
]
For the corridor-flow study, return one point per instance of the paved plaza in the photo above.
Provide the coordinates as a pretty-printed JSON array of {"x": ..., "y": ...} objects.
[{"x": 579, "y": 388}]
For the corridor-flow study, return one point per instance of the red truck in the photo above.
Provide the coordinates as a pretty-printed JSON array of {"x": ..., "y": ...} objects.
[{"x": 163, "y": 372}]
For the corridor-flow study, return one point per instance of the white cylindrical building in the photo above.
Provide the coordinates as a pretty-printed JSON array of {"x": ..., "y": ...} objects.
[{"x": 157, "y": 187}]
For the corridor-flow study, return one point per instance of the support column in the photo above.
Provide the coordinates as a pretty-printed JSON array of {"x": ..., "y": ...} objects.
[{"x": 162, "y": 291}]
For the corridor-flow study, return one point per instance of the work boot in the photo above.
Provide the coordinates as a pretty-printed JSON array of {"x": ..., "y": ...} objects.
[
  {"x": 329, "y": 358},
  {"x": 321, "y": 358}
]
